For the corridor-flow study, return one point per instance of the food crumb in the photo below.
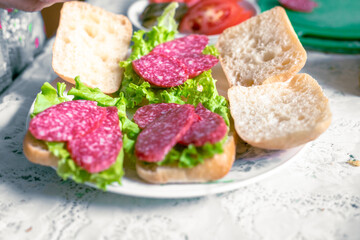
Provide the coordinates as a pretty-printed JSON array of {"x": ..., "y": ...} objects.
[
  {"x": 29, "y": 229},
  {"x": 355, "y": 163}
]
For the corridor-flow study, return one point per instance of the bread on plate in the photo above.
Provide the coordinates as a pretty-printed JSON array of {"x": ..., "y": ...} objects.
[{"x": 90, "y": 42}]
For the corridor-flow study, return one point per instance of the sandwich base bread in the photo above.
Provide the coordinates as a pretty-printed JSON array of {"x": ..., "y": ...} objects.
[
  {"x": 90, "y": 43},
  {"x": 280, "y": 115},
  {"x": 36, "y": 151},
  {"x": 262, "y": 49},
  {"x": 212, "y": 169}
]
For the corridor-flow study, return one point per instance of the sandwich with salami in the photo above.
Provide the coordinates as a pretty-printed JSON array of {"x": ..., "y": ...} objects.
[{"x": 184, "y": 122}]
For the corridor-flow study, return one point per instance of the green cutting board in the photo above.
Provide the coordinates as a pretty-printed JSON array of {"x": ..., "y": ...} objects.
[{"x": 334, "y": 25}]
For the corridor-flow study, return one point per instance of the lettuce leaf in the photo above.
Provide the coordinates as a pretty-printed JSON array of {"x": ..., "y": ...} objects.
[
  {"x": 67, "y": 168},
  {"x": 190, "y": 156},
  {"x": 48, "y": 97},
  {"x": 93, "y": 94}
]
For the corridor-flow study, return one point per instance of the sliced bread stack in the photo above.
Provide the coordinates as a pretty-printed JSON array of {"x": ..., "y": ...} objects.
[
  {"x": 90, "y": 43},
  {"x": 273, "y": 106}
]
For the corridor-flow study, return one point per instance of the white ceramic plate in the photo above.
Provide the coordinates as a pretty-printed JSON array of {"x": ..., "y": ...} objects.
[
  {"x": 251, "y": 165},
  {"x": 138, "y": 7}
]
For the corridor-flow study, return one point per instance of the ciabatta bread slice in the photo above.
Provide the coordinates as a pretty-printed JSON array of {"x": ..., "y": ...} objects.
[
  {"x": 37, "y": 152},
  {"x": 264, "y": 48},
  {"x": 90, "y": 43},
  {"x": 280, "y": 115},
  {"x": 215, "y": 168},
  {"x": 212, "y": 169}
]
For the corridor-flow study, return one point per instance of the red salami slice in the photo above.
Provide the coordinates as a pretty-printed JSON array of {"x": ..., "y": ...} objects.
[
  {"x": 147, "y": 114},
  {"x": 161, "y": 70},
  {"x": 197, "y": 63},
  {"x": 210, "y": 128},
  {"x": 182, "y": 46},
  {"x": 98, "y": 150},
  {"x": 67, "y": 120},
  {"x": 157, "y": 139},
  {"x": 299, "y": 5}
]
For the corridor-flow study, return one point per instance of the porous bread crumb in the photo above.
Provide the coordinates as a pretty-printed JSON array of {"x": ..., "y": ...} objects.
[{"x": 355, "y": 163}]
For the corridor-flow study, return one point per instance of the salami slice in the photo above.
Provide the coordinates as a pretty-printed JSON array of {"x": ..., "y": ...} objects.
[
  {"x": 299, "y": 5},
  {"x": 182, "y": 46},
  {"x": 67, "y": 120},
  {"x": 161, "y": 70},
  {"x": 157, "y": 139},
  {"x": 147, "y": 114},
  {"x": 197, "y": 63},
  {"x": 211, "y": 128},
  {"x": 98, "y": 150}
]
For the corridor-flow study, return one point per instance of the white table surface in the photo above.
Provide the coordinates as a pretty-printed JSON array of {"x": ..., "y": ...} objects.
[{"x": 315, "y": 196}]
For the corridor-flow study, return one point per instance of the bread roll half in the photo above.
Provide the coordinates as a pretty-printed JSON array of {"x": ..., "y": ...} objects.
[
  {"x": 215, "y": 168},
  {"x": 90, "y": 43},
  {"x": 280, "y": 115},
  {"x": 262, "y": 49},
  {"x": 212, "y": 169},
  {"x": 36, "y": 151}
]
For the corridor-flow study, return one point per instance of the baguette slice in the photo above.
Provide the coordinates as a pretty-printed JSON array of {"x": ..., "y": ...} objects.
[
  {"x": 280, "y": 115},
  {"x": 263, "y": 49},
  {"x": 90, "y": 43},
  {"x": 212, "y": 169}
]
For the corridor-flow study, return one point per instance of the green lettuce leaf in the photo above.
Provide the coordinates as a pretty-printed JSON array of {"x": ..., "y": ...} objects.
[
  {"x": 67, "y": 168},
  {"x": 211, "y": 50},
  {"x": 93, "y": 94},
  {"x": 48, "y": 97},
  {"x": 190, "y": 156}
]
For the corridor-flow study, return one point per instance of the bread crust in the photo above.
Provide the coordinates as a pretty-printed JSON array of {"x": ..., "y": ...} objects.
[
  {"x": 212, "y": 169},
  {"x": 36, "y": 151}
]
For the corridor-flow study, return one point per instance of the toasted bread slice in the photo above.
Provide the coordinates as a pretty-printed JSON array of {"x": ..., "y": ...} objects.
[
  {"x": 280, "y": 115},
  {"x": 263, "y": 49},
  {"x": 90, "y": 43},
  {"x": 212, "y": 169}
]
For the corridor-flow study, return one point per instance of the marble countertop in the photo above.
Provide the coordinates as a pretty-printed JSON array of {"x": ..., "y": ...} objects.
[{"x": 315, "y": 196}]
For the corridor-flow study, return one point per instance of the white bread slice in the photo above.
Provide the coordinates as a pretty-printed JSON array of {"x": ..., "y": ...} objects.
[
  {"x": 263, "y": 49},
  {"x": 280, "y": 115},
  {"x": 36, "y": 151},
  {"x": 212, "y": 169},
  {"x": 90, "y": 42}
]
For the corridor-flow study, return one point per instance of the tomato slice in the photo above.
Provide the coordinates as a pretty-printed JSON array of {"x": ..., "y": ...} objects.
[
  {"x": 214, "y": 16},
  {"x": 188, "y": 2},
  {"x": 164, "y": 1}
]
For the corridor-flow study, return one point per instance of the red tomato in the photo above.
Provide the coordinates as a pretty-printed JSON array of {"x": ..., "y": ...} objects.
[
  {"x": 164, "y": 1},
  {"x": 213, "y": 16},
  {"x": 188, "y": 2}
]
